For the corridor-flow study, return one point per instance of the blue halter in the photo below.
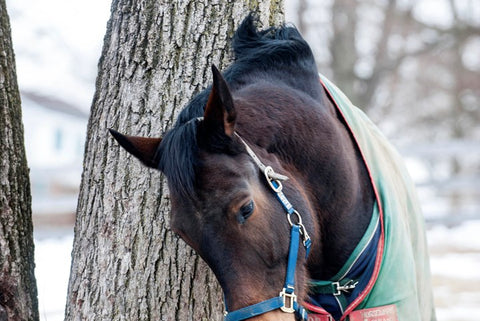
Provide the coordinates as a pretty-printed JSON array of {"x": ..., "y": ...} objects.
[{"x": 287, "y": 299}]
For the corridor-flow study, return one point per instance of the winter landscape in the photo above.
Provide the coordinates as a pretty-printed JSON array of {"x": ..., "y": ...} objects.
[{"x": 57, "y": 45}]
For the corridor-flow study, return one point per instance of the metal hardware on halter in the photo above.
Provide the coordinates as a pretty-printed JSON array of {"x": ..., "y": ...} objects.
[
  {"x": 307, "y": 242},
  {"x": 303, "y": 231},
  {"x": 288, "y": 300},
  {"x": 299, "y": 219},
  {"x": 350, "y": 285},
  {"x": 271, "y": 174},
  {"x": 275, "y": 184}
]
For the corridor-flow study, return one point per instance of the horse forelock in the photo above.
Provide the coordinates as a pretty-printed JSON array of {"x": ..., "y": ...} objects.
[{"x": 178, "y": 158}]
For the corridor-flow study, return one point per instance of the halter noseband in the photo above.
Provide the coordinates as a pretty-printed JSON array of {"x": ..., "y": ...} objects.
[{"x": 287, "y": 299}]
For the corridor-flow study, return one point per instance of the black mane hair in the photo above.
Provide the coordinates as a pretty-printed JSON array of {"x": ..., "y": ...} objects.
[{"x": 277, "y": 54}]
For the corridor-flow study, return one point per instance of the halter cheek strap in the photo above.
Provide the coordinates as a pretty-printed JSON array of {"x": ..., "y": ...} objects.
[{"x": 287, "y": 299}]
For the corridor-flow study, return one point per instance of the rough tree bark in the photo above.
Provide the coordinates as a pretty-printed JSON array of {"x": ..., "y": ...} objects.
[
  {"x": 18, "y": 289},
  {"x": 127, "y": 264}
]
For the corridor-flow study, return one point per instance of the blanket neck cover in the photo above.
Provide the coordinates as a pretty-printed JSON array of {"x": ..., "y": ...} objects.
[{"x": 387, "y": 277}]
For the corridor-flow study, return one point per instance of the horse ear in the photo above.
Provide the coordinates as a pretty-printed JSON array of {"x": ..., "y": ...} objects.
[
  {"x": 141, "y": 147},
  {"x": 220, "y": 112}
]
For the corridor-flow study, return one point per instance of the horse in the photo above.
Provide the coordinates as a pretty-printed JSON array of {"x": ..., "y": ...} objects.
[{"x": 289, "y": 193}]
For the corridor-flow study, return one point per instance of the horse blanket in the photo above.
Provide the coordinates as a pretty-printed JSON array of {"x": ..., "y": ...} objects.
[{"x": 387, "y": 276}]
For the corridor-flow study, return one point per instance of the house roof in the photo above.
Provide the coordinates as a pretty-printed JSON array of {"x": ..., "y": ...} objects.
[{"x": 54, "y": 103}]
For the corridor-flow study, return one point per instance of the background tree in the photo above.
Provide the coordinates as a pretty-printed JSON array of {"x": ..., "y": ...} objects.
[
  {"x": 18, "y": 290},
  {"x": 417, "y": 77},
  {"x": 127, "y": 264}
]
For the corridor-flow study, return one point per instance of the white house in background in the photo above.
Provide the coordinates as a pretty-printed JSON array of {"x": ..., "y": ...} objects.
[{"x": 54, "y": 139}]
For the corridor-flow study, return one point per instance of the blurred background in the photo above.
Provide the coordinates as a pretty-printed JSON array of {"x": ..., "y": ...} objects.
[{"x": 412, "y": 65}]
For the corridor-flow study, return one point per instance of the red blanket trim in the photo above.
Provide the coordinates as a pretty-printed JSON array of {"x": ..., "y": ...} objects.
[{"x": 314, "y": 308}]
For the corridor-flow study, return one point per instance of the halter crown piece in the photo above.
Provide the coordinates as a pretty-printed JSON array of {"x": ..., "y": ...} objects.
[{"x": 287, "y": 299}]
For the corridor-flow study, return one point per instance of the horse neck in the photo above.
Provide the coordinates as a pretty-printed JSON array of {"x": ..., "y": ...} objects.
[
  {"x": 315, "y": 143},
  {"x": 342, "y": 193}
]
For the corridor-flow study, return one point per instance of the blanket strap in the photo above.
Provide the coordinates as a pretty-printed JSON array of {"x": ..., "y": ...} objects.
[{"x": 335, "y": 288}]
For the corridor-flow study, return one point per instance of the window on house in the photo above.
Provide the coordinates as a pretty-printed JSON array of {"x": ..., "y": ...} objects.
[{"x": 58, "y": 139}]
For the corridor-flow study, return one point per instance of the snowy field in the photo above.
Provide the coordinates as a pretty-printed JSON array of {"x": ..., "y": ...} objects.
[
  {"x": 455, "y": 263},
  {"x": 52, "y": 268}
]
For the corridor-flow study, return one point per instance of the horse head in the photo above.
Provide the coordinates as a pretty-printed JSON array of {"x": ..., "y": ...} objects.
[{"x": 222, "y": 203}]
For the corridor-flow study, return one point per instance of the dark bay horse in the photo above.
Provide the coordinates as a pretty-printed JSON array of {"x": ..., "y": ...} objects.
[{"x": 270, "y": 163}]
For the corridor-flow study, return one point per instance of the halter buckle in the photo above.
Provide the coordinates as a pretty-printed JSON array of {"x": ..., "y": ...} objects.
[{"x": 289, "y": 300}]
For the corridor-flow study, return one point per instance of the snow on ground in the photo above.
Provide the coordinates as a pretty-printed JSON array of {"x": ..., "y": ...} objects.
[
  {"x": 455, "y": 264},
  {"x": 53, "y": 257}
]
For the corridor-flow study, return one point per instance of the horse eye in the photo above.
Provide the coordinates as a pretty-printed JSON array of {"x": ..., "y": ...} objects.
[{"x": 245, "y": 211}]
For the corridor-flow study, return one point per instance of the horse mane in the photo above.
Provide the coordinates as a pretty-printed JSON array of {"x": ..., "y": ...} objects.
[
  {"x": 276, "y": 49},
  {"x": 278, "y": 54}
]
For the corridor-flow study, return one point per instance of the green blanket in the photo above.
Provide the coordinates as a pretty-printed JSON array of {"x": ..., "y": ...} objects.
[{"x": 404, "y": 272}]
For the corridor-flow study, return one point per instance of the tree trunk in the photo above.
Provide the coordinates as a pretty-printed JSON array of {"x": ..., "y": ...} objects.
[
  {"x": 18, "y": 289},
  {"x": 343, "y": 46},
  {"x": 127, "y": 264}
]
